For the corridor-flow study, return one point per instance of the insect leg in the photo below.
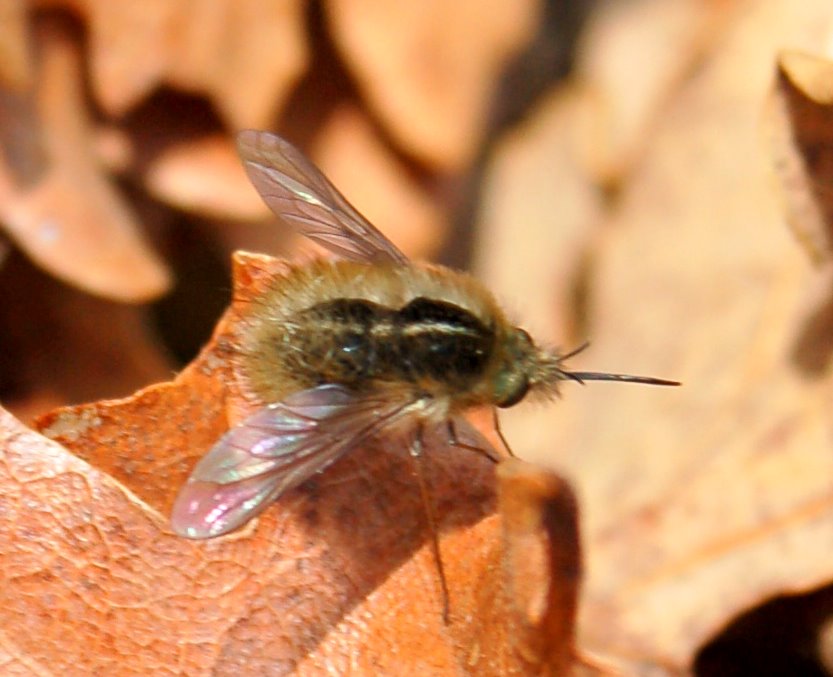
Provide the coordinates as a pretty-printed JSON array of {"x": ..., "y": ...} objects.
[
  {"x": 454, "y": 441},
  {"x": 496, "y": 423},
  {"x": 488, "y": 452},
  {"x": 417, "y": 457}
]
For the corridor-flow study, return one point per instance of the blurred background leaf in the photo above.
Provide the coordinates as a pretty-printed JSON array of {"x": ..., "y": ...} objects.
[{"x": 633, "y": 172}]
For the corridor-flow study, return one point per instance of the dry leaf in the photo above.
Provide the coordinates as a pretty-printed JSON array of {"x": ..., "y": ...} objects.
[
  {"x": 129, "y": 48},
  {"x": 71, "y": 221},
  {"x": 703, "y": 502},
  {"x": 700, "y": 504},
  {"x": 801, "y": 127},
  {"x": 62, "y": 345},
  {"x": 20, "y": 149},
  {"x": 634, "y": 55},
  {"x": 429, "y": 69},
  {"x": 205, "y": 176},
  {"x": 245, "y": 54},
  {"x": 382, "y": 190},
  {"x": 539, "y": 221},
  {"x": 15, "y": 57},
  {"x": 335, "y": 577},
  {"x": 542, "y": 547}
]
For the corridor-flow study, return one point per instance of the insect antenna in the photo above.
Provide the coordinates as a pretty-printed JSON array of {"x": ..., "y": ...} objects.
[{"x": 582, "y": 376}]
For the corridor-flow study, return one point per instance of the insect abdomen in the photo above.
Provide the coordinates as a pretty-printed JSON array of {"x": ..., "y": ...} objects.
[
  {"x": 444, "y": 342},
  {"x": 356, "y": 342}
]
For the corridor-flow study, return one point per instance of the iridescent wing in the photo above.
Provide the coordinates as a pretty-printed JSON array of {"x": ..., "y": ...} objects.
[
  {"x": 301, "y": 195},
  {"x": 274, "y": 450}
]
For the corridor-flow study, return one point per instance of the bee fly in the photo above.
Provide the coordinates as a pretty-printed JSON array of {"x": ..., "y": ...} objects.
[{"x": 365, "y": 345}]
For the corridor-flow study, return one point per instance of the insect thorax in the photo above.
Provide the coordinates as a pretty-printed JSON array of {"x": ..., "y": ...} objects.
[{"x": 429, "y": 343}]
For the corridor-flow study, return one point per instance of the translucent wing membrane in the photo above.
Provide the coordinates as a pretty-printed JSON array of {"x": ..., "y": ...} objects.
[
  {"x": 274, "y": 450},
  {"x": 301, "y": 195}
]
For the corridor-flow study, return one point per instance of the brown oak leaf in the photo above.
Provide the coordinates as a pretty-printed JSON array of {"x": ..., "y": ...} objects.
[{"x": 336, "y": 576}]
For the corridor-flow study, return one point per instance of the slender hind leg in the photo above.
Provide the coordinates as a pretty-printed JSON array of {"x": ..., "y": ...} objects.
[
  {"x": 496, "y": 424},
  {"x": 417, "y": 457},
  {"x": 488, "y": 452}
]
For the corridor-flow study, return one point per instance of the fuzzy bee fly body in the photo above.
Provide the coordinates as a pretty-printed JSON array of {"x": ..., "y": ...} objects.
[
  {"x": 426, "y": 341},
  {"x": 361, "y": 346},
  {"x": 417, "y": 332}
]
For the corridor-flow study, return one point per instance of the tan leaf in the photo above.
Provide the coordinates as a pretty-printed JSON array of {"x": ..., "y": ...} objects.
[
  {"x": 205, "y": 176},
  {"x": 20, "y": 144},
  {"x": 634, "y": 55},
  {"x": 334, "y": 577},
  {"x": 71, "y": 221},
  {"x": 382, "y": 190},
  {"x": 130, "y": 48},
  {"x": 800, "y": 126},
  {"x": 15, "y": 56},
  {"x": 259, "y": 56},
  {"x": 244, "y": 54},
  {"x": 538, "y": 230},
  {"x": 707, "y": 501},
  {"x": 429, "y": 68}
]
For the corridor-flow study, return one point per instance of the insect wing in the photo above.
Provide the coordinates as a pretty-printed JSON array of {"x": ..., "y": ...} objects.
[
  {"x": 297, "y": 192},
  {"x": 272, "y": 451}
]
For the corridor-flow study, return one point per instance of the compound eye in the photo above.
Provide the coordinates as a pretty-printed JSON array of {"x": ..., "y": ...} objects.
[{"x": 515, "y": 393}]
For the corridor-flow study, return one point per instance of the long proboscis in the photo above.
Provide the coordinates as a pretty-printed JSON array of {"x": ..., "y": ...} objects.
[{"x": 582, "y": 376}]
